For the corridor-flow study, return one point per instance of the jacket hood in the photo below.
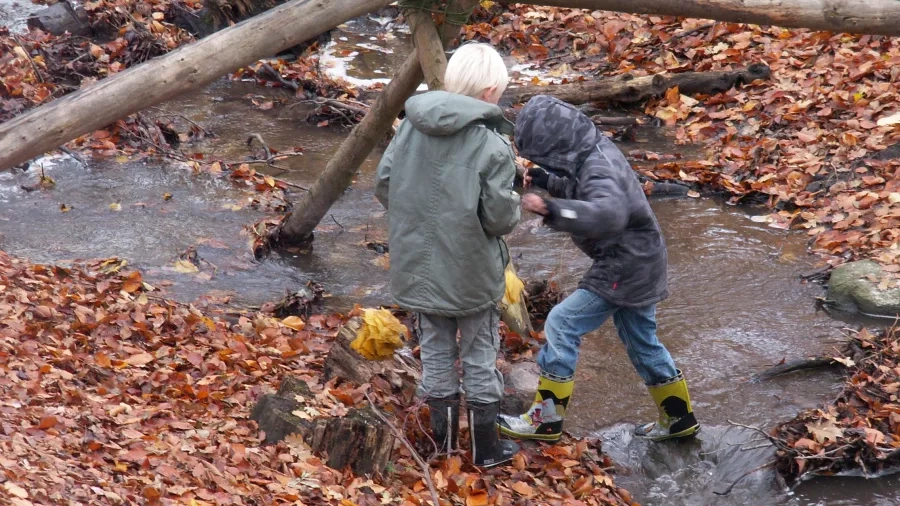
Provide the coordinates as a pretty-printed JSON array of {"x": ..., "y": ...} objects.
[
  {"x": 439, "y": 113},
  {"x": 555, "y": 135}
]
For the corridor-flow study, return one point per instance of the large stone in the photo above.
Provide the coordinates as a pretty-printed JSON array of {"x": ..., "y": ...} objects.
[
  {"x": 521, "y": 382},
  {"x": 850, "y": 289},
  {"x": 60, "y": 18}
]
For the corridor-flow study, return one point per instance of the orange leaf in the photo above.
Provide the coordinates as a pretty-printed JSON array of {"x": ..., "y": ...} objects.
[
  {"x": 294, "y": 322},
  {"x": 47, "y": 422},
  {"x": 673, "y": 96},
  {"x": 132, "y": 282},
  {"x": 519, "y": 462},
  {"x": 479, "y": 498},
  {"x": 523, "y": 488},
  {"x": 102, "y": 359},
  {"x": 151, "y": 493}
]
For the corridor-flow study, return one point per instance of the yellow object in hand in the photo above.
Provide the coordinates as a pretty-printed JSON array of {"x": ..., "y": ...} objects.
[{"x": 379, "y": 335}]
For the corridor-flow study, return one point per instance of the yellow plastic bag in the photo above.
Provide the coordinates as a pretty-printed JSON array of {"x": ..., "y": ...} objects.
[
  {"x": 379, "y": 335},
  {"x": 514, "y": 287},
  {"x": 514, "y": 313}
]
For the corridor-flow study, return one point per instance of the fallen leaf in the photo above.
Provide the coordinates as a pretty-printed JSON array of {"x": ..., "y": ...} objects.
[
  {"x": 185, "y": 267},
  {"x": 807, "y": 444},
  {"x": 294, "y": 322},
  {"x": 824, "y": 430},
  {"x": 132, "y": 282},
  {"x": 139, "y": 359},
  {"x": 479, "y": 498},
  {"x": 846, "y": 361},
  {"x": 523, "y": 488},
  {"x": 115, "y": 206},
  {"x": 15, "y": 490},
  {"x": 47, "y": 422},
  {"x": 889, "y": 120}
]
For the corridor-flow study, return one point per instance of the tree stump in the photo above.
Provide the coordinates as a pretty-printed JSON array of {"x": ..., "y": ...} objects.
[
  {"x": 343, "y": 362},
  {"x": 359, "y": 440}
]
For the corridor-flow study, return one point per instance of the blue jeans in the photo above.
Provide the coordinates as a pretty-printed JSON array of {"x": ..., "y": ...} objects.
[{"x": 583, "y": 312}]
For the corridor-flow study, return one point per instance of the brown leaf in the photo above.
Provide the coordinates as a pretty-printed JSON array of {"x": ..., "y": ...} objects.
[
  {"x": 139, "y": 359},
  {"x": 807, "y": 444},
  {"x": 294, "y": 322},
  {"x": 132, "y": 282},
  {"x": 18, "y": 491},
  {"x": 523, "y": 488},
  {"x": 479, "y": 498}
]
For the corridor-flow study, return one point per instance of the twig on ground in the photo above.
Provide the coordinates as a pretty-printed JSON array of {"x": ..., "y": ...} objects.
[
  {"x": 688, "y": 33},
  {"x": 74, "y": 155},
  {"x": 265, "y": 146},
  {"x": 161, "y": 112},
  {"x": 292, "y": 185},
  {"x": 274, "y": 74},
  {"x": 775, "y": 441},
  {"x": 741, "y": 477},
  {"x": 425, "y": 469},
  {"x": 37, "y": 70},
  {"x": 268, "y": 161},
  {"x": 337, "y": 223}
]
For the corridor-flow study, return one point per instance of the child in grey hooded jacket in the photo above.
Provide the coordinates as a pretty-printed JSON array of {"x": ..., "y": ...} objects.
[{"x": 598, "y": 200}]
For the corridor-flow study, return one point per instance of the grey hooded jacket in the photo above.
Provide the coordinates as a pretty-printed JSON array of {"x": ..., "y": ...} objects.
[
  {"x": 598, "y": 199},
  {"x": 446, "y": 180}
]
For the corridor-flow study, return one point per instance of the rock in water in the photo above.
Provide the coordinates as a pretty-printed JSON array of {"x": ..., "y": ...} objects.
[{"x": 851, "y": 289}]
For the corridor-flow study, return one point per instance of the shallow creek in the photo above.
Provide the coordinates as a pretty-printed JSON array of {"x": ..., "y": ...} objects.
[{"x": 737, "y": 304}]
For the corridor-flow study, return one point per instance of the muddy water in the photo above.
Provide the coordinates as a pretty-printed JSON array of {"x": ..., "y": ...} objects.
[
  {"x": 736, "y": 306},
  {"x": 14, "y": 13}
]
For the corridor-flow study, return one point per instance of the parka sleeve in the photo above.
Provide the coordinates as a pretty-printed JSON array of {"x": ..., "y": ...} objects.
[
  {"x": 498, "y": 206},
  {"x": 383, "y": 176},
  {"x": 603, "y": 211},
  {"x": 557, "y": 186}
]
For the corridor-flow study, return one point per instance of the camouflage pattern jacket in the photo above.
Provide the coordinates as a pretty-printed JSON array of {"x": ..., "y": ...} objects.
[{"x": 598, "y": 199}]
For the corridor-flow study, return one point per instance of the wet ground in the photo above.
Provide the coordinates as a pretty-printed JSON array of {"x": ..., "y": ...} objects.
[
  {"x": 14, "y": 13},
  {"x": 737, "y": 304}
]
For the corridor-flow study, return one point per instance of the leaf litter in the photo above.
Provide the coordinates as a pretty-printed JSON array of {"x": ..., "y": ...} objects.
[{"x": 113, "y": 395}]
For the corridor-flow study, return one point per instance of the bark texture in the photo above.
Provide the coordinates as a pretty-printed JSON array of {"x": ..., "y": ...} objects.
[
  {"x": 877, "y": 17},
  {"x": 188, "y": 68}
]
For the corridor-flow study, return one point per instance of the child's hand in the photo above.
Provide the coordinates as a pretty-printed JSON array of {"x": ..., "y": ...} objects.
[{"x": 535, "y": 204}]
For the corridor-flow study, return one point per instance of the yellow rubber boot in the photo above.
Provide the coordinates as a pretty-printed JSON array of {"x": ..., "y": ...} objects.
[
  {"x": 544, "y": 420},
  {"x": 676, "y": 417}
]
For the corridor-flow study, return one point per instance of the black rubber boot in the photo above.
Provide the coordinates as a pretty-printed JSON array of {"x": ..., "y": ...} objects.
[
  {"x": 488, "y": 450},
  {"x": 445, "y": 423}
]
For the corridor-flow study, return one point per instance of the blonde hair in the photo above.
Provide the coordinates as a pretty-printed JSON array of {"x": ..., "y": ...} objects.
[{"x": 474, "y": 68}]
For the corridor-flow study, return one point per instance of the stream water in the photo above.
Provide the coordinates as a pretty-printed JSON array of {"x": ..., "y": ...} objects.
[{"x": 737, "y": 304}]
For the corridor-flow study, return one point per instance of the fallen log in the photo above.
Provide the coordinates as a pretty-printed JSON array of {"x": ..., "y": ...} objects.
[
  {"x": 187, "y": 68},
  {"x": 627, "y": 88},
  {"x": 297, "y": 228},
  {"x": 876, "y": 17}
]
